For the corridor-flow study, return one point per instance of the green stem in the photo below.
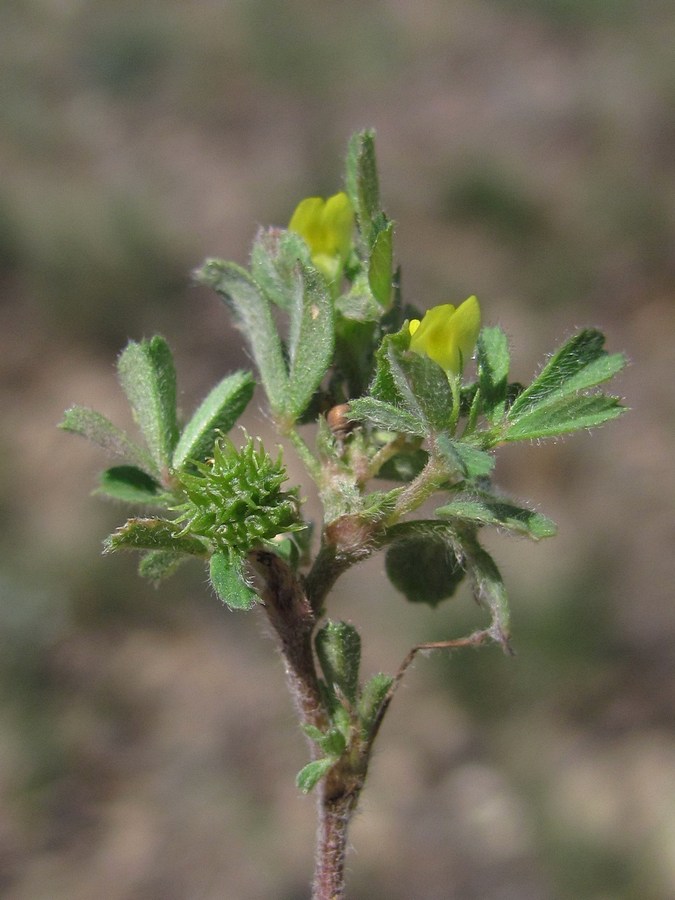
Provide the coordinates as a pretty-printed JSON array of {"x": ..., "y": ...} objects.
[
  {"x": 383, "y": 455},
  {"x": 454, "y": 382},
  {"x": 418, "y": 490},
  {"x": 310, "y": 461}
]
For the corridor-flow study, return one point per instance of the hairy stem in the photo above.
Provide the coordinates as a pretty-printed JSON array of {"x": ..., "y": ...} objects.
[
  {"x": 293, "y": 620},
  {"x": 291, "y": 615},
  {"x": 334, "y": 816}
]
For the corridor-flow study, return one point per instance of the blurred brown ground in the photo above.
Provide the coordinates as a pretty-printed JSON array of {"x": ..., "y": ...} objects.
[{"x": 527, "y": 153}]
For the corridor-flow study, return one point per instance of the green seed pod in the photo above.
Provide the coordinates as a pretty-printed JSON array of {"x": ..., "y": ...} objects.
[{"x": 235, "y": 499}]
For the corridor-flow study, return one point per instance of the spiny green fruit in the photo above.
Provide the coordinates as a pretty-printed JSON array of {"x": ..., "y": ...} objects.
[{"x": 235, "y": 499}]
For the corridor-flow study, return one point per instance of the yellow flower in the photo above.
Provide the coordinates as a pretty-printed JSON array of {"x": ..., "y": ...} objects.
[
  {"x": 326, "y": 226},
  {"x": 447, "y": 335}
]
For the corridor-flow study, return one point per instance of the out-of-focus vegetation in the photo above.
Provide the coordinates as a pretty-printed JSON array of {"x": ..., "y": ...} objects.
[{"x": 527, "y": 154}]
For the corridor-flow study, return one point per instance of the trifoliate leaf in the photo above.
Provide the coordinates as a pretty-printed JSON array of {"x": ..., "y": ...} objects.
[
  {"x": 216, "y": 415},
  {"x": 424, "y": 567},
  {"x": 578, "y": 365},
  {"x": 228, "y": 581},
  {"x": 488, "y": 510},
  {"x": 99, "y": 430},
  {"x": 147, "y": 374}
]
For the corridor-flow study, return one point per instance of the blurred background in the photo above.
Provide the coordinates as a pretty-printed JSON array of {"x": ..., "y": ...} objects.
[{"x": 526, "y": 150}]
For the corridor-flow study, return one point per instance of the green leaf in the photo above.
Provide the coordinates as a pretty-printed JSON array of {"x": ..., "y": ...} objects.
[
  {"x": 153, "y": 534},
  {"x": 130, "y": 484},
  {"x": 384, "y": 385},
  {"x": 156, "y": 565},
  {"x": 96, "y": 428},
  {"x": 380, "y": 267},
  {"x": 354, "y": 361},
  {"x": 362, "y": 182},
  {"x": 333, "y": 743},
  {"x": 386, "y": 416},
  {"x": 424, "y": 566},
  {"x": 308, "y": 777},
  {"x": 568, "y": 414},
  {"x": 578, "y": 365},
  {"x": 470, "y": 462},
  {"x": 338, "y": 647},
  {"x": 489, "y": 587},
  {"x": 254, "y": 317},
  {"x": 404, "y": 466},
  {"x": 147, "y": 374},
  {"x": 274, "y": 264},
  {"x": 359, "y": 303},
  {"x": 373, "y": 695},
  {"x": 311, "y": 340},
  {"x": 489, "y": 510},
  {"x": 492, "y": 361},
  {"x": 216, "y": 414},
  {"x": 228, "y": 581},
  {"x": 428, "y": 384}
]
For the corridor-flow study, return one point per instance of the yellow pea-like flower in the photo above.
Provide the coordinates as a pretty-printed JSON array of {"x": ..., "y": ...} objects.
[
  {"x": 447, "y": 335},
  {"x": 327, "y": 227}
]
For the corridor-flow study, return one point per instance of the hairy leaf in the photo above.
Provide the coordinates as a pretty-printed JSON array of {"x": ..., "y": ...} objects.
[
  {"x": 309, "y": 776},
  {"x": 228, "y": 581},
  {"x": 373, "y": 695},
  {"x": 131, "y": 485},
  {"x": 274, "y": 264},
  {"x": 216, "y": 414},
  {"x": 311, "y": 339},
  {"x": 566, "y": 415},
  {"x": 380, "y": 267},
  {"x": 254, "y": 317},
  {"x": 99, "y": 430},
  {"x": 362, "y": 182},
  {"x": 147, "y": 374},
  {"x": 489, "y": 510},
  {"x": 492, "y": 361},
  {"x": 424, "y": 567},
  {"x": 153, "y": 534},
  {"x": 580, "y": 364},
  {"x": 386, "y": 416},
  {"x": 157, "y": 565},
  {"x": 338, "y": 647}
]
